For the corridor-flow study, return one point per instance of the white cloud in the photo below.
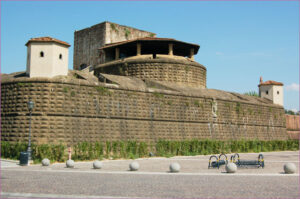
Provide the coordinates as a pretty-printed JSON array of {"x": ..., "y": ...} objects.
[
  {"x": 219, "y": 53},
  {"x": 292, "y": 87},
  {"x": 294, "y": 110}
]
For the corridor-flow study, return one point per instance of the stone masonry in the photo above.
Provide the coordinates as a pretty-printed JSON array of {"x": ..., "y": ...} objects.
[
  {"x": 88, "y": 41},
  {"x": 75, "y": 110},
  {"x": 182, "y": 72}
]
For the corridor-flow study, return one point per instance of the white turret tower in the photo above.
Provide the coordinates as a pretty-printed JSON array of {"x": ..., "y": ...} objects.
[
  {"x": 47, "y": 57},
  {"x": 271, "y": 90}
]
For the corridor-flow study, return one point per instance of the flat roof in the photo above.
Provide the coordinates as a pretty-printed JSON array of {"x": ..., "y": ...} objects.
[{"x": 153, "y": 40}]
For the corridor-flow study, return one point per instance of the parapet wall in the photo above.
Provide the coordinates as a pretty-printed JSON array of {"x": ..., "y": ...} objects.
[
  {"x": 168, "y": 69},
  {"x": 76, "y": 111}
]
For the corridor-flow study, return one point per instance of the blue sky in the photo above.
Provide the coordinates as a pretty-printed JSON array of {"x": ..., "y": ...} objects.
[{"x": 240, "y": 41}]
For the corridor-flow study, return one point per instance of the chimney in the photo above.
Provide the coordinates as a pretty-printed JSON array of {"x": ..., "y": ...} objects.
[{"x": 260, "y": 80}]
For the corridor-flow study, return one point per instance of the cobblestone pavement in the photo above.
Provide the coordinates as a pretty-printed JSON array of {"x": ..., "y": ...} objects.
[{"x": 153, "y": 179}]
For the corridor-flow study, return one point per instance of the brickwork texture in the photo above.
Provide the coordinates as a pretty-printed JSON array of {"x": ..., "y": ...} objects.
[
  {"x": 182, "y": 72},
  {"x": 88, "y": 41},
  {"x": 76, "y": 112}
]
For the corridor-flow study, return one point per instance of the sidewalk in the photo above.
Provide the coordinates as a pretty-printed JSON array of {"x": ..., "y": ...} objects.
[{"x": 9, "y": 163}]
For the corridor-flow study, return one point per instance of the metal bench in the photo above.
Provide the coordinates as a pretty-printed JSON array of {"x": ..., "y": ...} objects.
[{"x": 259, "y": 162}]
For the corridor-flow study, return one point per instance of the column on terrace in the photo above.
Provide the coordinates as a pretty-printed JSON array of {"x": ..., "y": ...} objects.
[
  {"x": 117, "y": 53},
  {"x": 170, "y": 49},
  {"x": 138, "y": 49},
  {"x": 192, "y": 53}
]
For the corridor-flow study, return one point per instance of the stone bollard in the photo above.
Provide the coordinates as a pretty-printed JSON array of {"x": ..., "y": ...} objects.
[
  {"x": 45, "y": 162},
  {"x": 97, "y": 164},
  {"x": 70, "y": 163},
  {"x": 289, "y": 168},
  {"x": 174, "y": 167},
  {"x": 231, "y": 168},
  {"x": 134, "y": 166}
]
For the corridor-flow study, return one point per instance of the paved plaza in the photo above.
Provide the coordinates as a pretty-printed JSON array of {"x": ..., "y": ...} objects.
[{"x": 153, "y": 179}]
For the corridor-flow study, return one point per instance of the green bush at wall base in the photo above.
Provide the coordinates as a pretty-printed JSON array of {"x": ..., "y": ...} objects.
[
  {"x": 54, "y": 152},
  {"x": 134, "y": 149}
]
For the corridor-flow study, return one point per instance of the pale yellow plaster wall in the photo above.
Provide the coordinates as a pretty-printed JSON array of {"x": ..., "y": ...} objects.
[
  {"x": 50, "y": 65},
  {"x": 60, "y": 66},
  {"x": 272, "y": 93},
  {"x": 278, "y": 95}
]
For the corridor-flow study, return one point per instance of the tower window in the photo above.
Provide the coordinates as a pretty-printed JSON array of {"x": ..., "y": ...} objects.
[
  {"x": 83, "y": 66},
  {"x": 267, "y": 92},
  {"x": 60, "y": 56},
  {"x": 277, "y": 92},
  {"x": 41, "y": 54}
]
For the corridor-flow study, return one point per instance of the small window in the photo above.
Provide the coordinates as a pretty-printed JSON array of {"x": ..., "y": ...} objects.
[
  {"x": 41, "y": 54},
  {"x": 277, "y": 92},
  {"x": 60, "y": 56},
  {"x": 267, "y": 92},
  {"x": 83, "y": 66}
]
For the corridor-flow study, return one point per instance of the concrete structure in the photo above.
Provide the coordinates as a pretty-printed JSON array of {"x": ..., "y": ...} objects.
[
  {"x": 289, "y": 168},
  {"x": 231, "y": 167},
  {"x": 271, "y": 90},
  {"x": 88, "y": 41},
  {"x": 97, "y": 164},
  {"x": 45, "y": 162},
  {"x": 174, "y": 167},
  {"x": 134, "y": 166},
  {"x": 47, "y": 57},
  {"x": 70, "y": 163}
]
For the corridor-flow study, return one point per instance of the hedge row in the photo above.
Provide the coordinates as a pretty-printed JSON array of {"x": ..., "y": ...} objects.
[{"x": 133, "y": 149}]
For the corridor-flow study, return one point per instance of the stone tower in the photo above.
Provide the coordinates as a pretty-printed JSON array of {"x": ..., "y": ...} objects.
[
  {"x": 47, "y": 57},
  {"x": 271, "y": 90},
  {"x": 88, "y": 41}
]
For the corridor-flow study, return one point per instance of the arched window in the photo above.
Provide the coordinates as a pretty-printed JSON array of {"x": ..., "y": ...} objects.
[
  {"x": 41, "y": 54},
  {"x": 60, "y": 56},
  {"x": 267, "y": 92},
  {"x": 277, "y": 92}
]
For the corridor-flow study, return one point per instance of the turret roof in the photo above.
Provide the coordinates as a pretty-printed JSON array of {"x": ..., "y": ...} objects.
[
  {"x": 270, "y": 82},
  {"x": 47, "y": 39}
]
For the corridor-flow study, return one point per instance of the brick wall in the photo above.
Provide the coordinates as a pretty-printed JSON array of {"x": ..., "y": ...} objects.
[
  {"x": 182, "y": 72},
  {"x": 293, "y": 126},
  {"x": 73, "y": 113}
]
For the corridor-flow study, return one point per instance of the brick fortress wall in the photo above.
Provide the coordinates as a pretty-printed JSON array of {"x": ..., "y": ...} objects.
[
  {"x": 293, "y": 126},
  {"x": 76, "y": 112},
  {"x": 183, "y": 72}
]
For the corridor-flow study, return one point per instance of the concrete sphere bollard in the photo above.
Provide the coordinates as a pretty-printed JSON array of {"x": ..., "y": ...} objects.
[
  {"x": 70, "y": 163},
  {"x": 97, "y": 164},
  {"x": 174, "y": 167},
  {"x": 45, "y": 162},
  {"x": 134, "y": 166},
  {"x": 231, "y": 168},
  {"x": 289, "y": 168}
]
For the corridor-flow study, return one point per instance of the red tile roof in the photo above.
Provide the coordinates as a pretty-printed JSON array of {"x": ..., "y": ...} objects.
[
  {"x": 47, "y": 39},
  {"x": 271, "y": 82}
]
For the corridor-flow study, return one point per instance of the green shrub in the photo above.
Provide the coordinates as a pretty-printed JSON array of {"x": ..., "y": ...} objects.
[{"x": 134, "y": 149}]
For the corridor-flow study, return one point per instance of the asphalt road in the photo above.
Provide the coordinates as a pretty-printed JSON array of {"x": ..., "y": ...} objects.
[{"x": 57, "y": 181}]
